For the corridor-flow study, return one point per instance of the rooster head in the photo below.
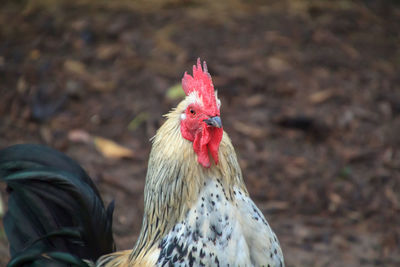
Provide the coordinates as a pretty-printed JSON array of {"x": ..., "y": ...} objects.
[{"x": 200, "y": 121}]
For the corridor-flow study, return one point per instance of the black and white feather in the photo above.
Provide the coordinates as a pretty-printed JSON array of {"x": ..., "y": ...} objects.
[{"x": 55, "y": 215}]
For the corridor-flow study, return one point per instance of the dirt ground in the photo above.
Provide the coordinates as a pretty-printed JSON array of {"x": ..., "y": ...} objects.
[{"x": 310, "y": 95}]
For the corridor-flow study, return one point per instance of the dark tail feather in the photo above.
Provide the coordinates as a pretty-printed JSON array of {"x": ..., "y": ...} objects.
[{"x": 55, "y": 215}]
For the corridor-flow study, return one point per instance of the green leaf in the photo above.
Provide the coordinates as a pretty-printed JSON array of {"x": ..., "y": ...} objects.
[
  {"x": 138, "y": 120},
  {"x": 175, "y": 92}
]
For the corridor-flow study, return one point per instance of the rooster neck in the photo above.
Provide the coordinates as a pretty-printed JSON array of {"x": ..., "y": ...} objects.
[{"x": 175, "y": 179}]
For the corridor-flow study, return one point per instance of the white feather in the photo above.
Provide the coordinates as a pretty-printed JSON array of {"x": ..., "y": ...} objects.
[{"x": 218, "y": 230}]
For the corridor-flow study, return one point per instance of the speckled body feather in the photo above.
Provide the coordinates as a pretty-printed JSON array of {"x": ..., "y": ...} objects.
[{"x": 196, "y": 216}]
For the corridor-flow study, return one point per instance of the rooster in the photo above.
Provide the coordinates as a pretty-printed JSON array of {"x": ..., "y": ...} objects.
[{"x": 197, "y": 210}]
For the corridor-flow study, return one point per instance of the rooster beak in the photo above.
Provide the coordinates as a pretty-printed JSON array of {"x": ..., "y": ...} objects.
[{"x": 214, "y": 122}]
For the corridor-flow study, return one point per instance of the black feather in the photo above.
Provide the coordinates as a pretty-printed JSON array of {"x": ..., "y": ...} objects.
[{"x": 55, "y": 215}]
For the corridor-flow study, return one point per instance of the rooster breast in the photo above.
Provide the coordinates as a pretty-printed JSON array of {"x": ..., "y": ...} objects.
[{"x": 217, "y": 231}]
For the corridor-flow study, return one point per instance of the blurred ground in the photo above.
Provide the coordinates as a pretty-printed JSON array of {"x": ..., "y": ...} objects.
[{"x": 310, "y": 97}]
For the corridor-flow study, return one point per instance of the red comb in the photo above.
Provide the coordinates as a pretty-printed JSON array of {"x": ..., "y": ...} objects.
[{"x": 202, "y": 84}]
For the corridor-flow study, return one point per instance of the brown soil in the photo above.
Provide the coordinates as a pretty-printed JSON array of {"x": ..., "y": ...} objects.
[{"x": 310, "y": 96}]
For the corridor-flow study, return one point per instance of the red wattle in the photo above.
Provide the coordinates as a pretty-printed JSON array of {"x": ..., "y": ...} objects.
[
  {"x": 215, "y": 140},
  {"x": 207, "y": 141}
]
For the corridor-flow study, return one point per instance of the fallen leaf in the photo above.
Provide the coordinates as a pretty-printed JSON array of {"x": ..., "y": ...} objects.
[
  {"x": 34, "y": 54},
  {"x": 22, "y": 86},
  {"x": 249, "y": 130},
  {"x": 78, "y": 135},
  {"x": 277, "y": 65},
  {"x": 110, "y": 149},
  {"x": 320, "y": 96},
  {"x": 335, "y": 201},
  {"x": 138, "y": 120},
  {"x": 106, "y": 52},
  {"x": 100, "y": 85},
  {"x": 75, "y": 67},
  {"x": 254, "y": 100},
  {"x": 46, "y": 134},
  {"x": 272, "y": 206},
  {"x": 301, "y": 231}
]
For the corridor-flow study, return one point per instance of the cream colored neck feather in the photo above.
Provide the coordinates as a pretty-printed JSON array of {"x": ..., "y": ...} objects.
[{"x": 175, "y": 178}]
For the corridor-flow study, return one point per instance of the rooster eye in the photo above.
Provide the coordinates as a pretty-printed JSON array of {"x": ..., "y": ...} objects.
[{"x": 192, "y": 111}]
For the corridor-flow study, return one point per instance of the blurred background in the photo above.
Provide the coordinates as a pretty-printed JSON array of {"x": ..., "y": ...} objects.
[{"x": 310, "y": 95}]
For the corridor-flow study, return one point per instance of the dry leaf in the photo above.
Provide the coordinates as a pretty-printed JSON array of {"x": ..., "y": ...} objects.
[
  {"x": 75, "y": 67},
  {"x": 34, "y": 54},
  {"x": 22, "y": 85},
  {"x": 335, "y": 201},
  {"x": 79, "y": 136},
  {"x": 274, "y": 206},
  {"x": 110, "y": 149},
  {"x": 105, "y": 52},
  {"x": 277, "y": 65},
  {"x": 252, "y": 131},
  {"x": 321, "y": 96},
  {"x": 254, "y": 100},
  {"x": 100, "y": 85}
]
